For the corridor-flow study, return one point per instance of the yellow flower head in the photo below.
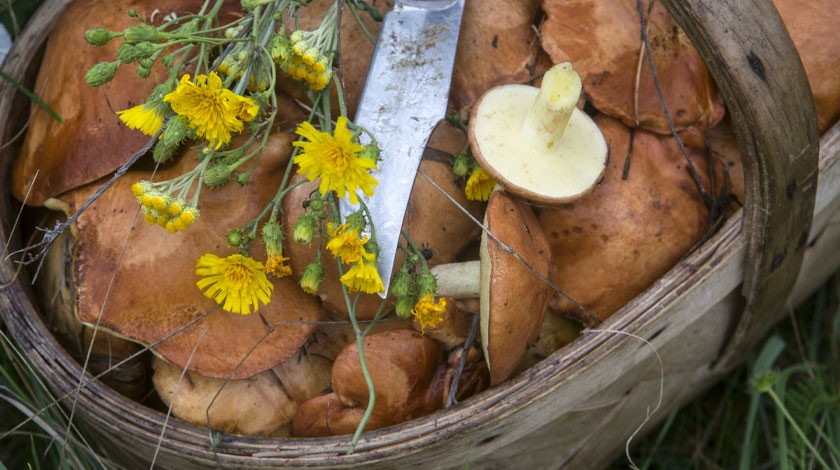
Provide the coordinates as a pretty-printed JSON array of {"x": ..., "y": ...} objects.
[
  {"x": 334, "y": 159},
  {"x": 429, "y": 313},
  {"x": 278, "y": 266},
  {"x": 345, "y": 243},
  {"x": 236, "y": 283},
  {"x": 143, "y": 118},
  {"x": 479, "y": 185},
  {"x": 363, "y": 276},
  {"x": 209, "y": 108}
]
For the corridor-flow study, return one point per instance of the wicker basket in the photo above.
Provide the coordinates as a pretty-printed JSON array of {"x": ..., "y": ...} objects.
[{"x": 578, "y": 407}]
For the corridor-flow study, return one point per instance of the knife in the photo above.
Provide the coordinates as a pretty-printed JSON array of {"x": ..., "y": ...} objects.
[{"x": 404, "y": 97}]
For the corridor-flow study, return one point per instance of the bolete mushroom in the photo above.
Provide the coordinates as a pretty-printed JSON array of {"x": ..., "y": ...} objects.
[
  {"x": 603, "y": 40},
  {"x": 813, "y": 29},
  {"x": 261, "y": 405},
  {"x": 139, "y": 281},
  {"x": 630, "y": 231},
  {"x": 410, "y": 375},
  {"x": 536, "y": 142},
  {"x": 90, "y": 141}
]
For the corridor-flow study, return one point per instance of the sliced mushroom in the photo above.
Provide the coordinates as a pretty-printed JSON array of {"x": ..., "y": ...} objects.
[
  {"x": 603, "y": 40},
  {"x": 139, "y": 281},
  {"x": 536, "y": 142}
]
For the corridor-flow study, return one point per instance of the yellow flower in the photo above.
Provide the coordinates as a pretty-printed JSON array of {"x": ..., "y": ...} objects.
[
  {"x": 277, "y": 266},
  {"x": 345, "y": 243},
  {"x": 143, "y": 118},
  {"x": 209, "y": 108},
  {"x": 334, "y": 159},
  {"x": 479, "y": 185},
  {"x": 363, "y": 276},
  {"x": 429, "y": 313},
  {"x": 236, "y": 283}
]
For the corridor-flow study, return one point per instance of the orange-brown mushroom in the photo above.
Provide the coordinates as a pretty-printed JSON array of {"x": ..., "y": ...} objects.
[
  {"x": 497, "y": 45},
  {"x": 513, "y": 298},
  {"x": 91, "y": 142},
  {"x": 139, "y": 281},
  {"x": 813, "y": 28},
  {"x": 261, "y": 405},
  {"x": 617, "y": 240},
  {"x": 410, "y": 377},
  {"x": 603, "y": 40}
]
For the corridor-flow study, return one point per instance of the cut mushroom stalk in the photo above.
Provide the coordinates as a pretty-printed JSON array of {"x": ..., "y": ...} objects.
[
  {"x": 552, "y": 109},
  {"x": 535, "y": 142}
]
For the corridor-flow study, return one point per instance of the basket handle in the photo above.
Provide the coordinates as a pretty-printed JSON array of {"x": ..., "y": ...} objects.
[{"x": 758, "y": 71}]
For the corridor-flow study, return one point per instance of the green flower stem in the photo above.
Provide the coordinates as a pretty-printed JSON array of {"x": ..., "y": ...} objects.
[
  {"x": 781, "y": 407},
  {"x": 360, "y": 337},
  {"x": 361, "y": 25}
]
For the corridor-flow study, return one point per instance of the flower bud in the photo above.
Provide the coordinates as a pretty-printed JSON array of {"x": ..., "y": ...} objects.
[
  {"x": 371, "y": 152},
  {"x": 235, "y": 238},
  {"x": 101, "y": 73},
  {"x": 175, "y": 131},
  {"x": 141, "y": 33},
  {"x": 242, "y": 179},
  {"x": 128, "y": 53},
  {"x": 272, "y": 234},
  {"x": 162, "y": 152},
  {"x": 401, "y": 285},
  {"x": 99, "y": 36},
  {"x": 304, "y": 229},
  {"x": 404, "y": 306},
  {"x": 249, "y": 5},
  {"x": 316, "y": 207},
  {"x": 217, "y": 175},
  {"x": 462, "y": 165},
  {"x": 356, "y": 220},
  {"x": 168, "y": 60},
  {"x": 426, "y": 283},
  {"x": 312, "y": 277},
  {"x": 143, "y": 71}
]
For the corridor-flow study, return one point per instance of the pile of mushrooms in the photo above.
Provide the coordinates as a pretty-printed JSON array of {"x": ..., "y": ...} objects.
[{"x": 591, "y": 207}]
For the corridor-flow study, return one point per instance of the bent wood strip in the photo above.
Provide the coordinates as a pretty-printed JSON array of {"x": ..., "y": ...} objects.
[{"x": 761, "y": 78}]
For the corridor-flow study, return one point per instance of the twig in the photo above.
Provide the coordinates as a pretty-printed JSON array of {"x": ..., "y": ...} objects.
[{"x": 451, "y": 399}]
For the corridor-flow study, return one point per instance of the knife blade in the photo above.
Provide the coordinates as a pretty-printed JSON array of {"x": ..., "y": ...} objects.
[{"x": 404, "y": 97}]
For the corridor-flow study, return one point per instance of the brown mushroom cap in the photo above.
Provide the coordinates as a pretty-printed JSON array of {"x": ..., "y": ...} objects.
[
  {"x": 813, "y": 27},
  {"x": 431, "y": 220},
  {"x": 149, "y": 292},
  {"x": 263, "y": 404},
  {"x": 603, "y": 40},
  {"x": 513, "y": 298},
  {"x": 91, "y": 141},
  {"x": 497, "y": 45},
  {"x": 410, "y": 376},
  {"x": 626, "y": 234}
]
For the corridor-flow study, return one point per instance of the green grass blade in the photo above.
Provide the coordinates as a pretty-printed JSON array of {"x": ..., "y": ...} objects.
[{"x": 32, "y": 96}]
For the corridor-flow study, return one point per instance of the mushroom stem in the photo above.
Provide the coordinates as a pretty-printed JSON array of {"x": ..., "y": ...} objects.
[
  {"x": 549, "y": 115},
  {"x": 458, "y": 280}
]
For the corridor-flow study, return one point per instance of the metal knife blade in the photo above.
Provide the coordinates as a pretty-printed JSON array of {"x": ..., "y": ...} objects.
[{"x": 404, "y": 97}]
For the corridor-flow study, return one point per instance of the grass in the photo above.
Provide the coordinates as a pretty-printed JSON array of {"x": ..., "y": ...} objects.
[{"x": 781, "y": 410}]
